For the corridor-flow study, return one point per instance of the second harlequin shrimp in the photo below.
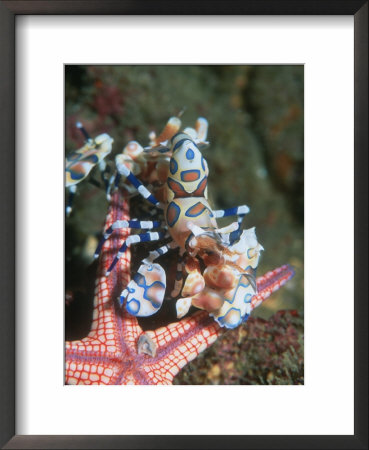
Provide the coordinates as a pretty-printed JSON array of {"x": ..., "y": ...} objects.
[{"x": 80, "y": 162}]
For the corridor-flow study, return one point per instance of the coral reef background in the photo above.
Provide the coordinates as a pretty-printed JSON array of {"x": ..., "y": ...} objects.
[{"x": 256, "y": 156}]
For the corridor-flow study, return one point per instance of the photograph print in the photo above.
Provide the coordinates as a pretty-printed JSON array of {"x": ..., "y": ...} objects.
[{"x": 184, "y": 224}]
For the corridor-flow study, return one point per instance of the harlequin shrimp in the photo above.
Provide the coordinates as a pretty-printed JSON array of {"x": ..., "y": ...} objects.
[
  {"x": 150, "y": 163},
  {"x": 80, "y": 162},
  {"x": 216, "y": 266}
]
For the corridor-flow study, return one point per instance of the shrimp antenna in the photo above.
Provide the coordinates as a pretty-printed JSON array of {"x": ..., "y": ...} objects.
[
  {"x": 83, "y": 130},
  {"x": 181, "y": 112}
]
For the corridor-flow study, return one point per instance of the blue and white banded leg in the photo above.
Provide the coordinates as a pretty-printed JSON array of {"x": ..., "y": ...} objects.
[
  {"x": 82, "y": 129},
  {"x": 142, "y": 190},
  {"x": 72, "y": 192},
  {"x": 117, "y": 178},
  {"x": 144, "y": 294},
  {"x": 120, "y": 224},
  {"x": 240, "y": 212},
  {"x": 105, "y": 171},
  {"x": 134, "y": 239},
  {"x": 114, "y": 182}
]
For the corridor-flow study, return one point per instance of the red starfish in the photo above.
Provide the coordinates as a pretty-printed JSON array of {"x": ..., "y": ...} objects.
[{"x": 117, "y": 350}]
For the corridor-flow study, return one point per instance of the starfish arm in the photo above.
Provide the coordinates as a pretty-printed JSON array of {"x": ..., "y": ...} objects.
[
  {"x": 90, "y": 367},
  {"x": 181, "y": 342},
  {"x": 107, "y": 317},
  {"x": 178, "y": 344},
  {"x": 271, "y": 282},
  {"x": 94, "y": 359}
]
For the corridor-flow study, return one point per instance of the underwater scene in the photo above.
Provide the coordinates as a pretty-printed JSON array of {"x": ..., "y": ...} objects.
[{"x": 184, "y": 224}]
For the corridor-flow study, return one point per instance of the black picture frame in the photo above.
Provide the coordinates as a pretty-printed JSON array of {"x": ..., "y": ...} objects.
[{"x": 8, "y": 11}]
